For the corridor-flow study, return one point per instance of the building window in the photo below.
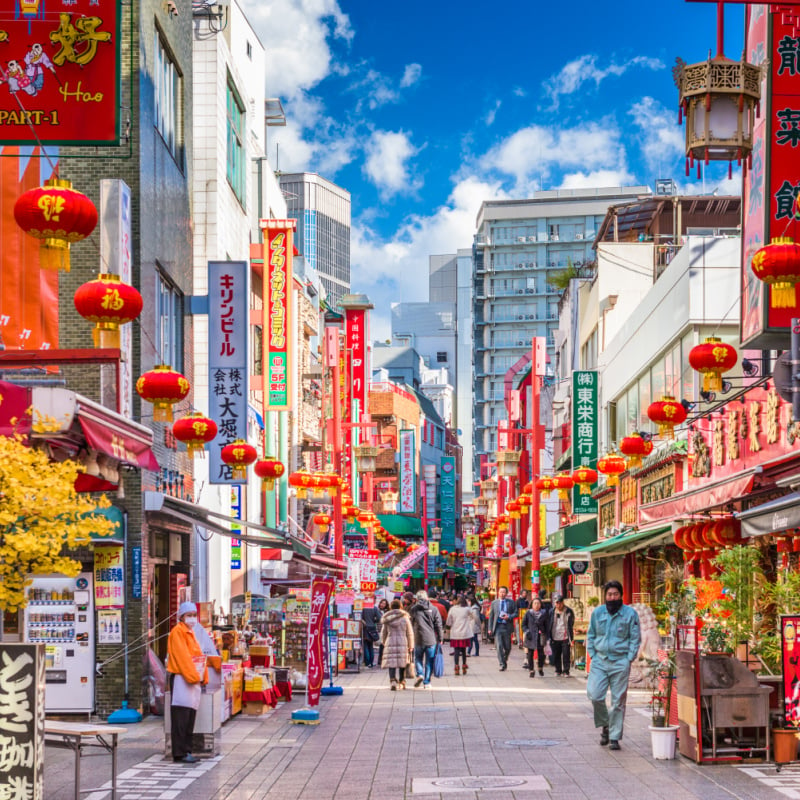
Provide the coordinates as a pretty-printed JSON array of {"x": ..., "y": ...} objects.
[
  {"x": 168, "y": 90},
  {"x": 441, "y": 357},
  {"x": 235, "y": 135},
  {"x": 169, "y": 332},
  {"x": 249, "y": 50}
]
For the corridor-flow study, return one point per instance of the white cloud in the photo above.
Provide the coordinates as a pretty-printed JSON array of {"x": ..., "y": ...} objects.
[
  {"x": 598, "y": 179},
  {"x": 411, "y": 74},
  {"x": 492, "y": 113},
  {"x": 661, "y": 138},
  {"x": 584, "y": 69},
  {"x": 386, "y": 164}
]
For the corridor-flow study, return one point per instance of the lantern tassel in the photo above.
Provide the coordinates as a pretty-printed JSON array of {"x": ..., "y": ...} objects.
[
  {"x": 667, "y": 430},
  {"x": 783, "y": 295},
  {"x": 712, "y": 381},
  {"x": 106, "y": 335},
  {"x": 54, "y": 255},
  {"x": 162, "y": 412}
]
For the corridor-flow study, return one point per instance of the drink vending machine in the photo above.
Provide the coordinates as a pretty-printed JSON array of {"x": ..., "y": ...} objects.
[{"x": 60, "y": 615}]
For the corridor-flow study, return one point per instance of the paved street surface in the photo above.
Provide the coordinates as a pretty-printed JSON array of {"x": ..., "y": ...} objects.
[{"x": 489, "y": 734}]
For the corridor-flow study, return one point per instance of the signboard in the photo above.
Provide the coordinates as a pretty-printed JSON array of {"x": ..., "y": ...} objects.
[
  {"x": 433, "y": 548},
  {"x": 356, "y": 341},
  {"x": 228, "y": 365},
  {"x": 277, "y": 303},
  {"x": 408, "y": 472},
  {"x": 447, "y": 502},
  {"x": 585, "y": 579},
  {"x": 109, "y": 575},
  {"x": 109, "y": 626},
  {"x": 584, "y": 433},
  {"x": 61, "y": 72},
  {"x": 22, "y": 682},
  {"x": 362, "y": 569},
  {"x": 236, "y": 512},
  {"x": 136, "y": 570},
  {"x": 321, "y": 591},
  {"x": 502, "y": 434},
  {"x": 409, "y": 561},
  {"x": 790, "y": 655},
  {"x": 472, "y": 543}
]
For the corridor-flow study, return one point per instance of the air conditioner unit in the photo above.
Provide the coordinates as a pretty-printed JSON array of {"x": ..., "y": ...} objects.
[
  {"x": 531, "y": 264},
  {"x": 531, "y": 238},
  {"x": 521, "y": 265},
  {"x": 520, "y": 343},
  {"x": 520, "y": 316},
  {"x": 520, "y": 238},
  {"x": 520, "y": 291},
  {"x": 530, "y": 316},
  {"x": 553, "y": 237},
  {"x": 579, "y": 236},
  {"x": 530, "y": 291}
]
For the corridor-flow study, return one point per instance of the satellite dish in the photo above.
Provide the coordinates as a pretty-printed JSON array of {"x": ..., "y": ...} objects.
[{"x": 782, "y": 375}]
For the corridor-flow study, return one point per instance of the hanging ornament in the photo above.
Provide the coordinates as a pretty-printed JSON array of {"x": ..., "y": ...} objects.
[
  {"x": 323, "y": 521},
  {"x": 301, "y": 482},
  {"x": 711, "y": 359},
  {"x": 109, "y": 303},
  {"x": 525, "y": 501},
  {"x": 268, "y": 469},
  {"x": 666, "y": 413},
  {"x": 634, "y": 447},
  {"x": 564, "y": 484},
  {"x": 584, "y": 477},
  {"x": 163, "y": 387},
  {"x": 352, "y": 513},
  {"x": 778, "y": 264},
  {"x": 195, "y": 430},
  {"x": 545, "y": 486},
  {"x": 238, "y": 455},
  {"x": 612, "y": 466},
  {"x": 513, "y": 509}
]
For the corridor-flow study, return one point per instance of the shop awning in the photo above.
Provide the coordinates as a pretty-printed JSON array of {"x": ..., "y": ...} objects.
[
  {"x": 687, "y": 503},
  {"x": 628, "y": 542},
  {"x": 777, "y": 515},
  {"x": 401, "y": 525},
  {"x": 578, "y": 535},
  {"x": 573, "y": 554}
]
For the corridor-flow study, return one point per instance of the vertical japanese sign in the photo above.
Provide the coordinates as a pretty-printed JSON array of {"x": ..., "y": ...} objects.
[
  {"x": 790, "y": 654},
  {"x": 136, "y": 569},
  {"x": 408, "y": 472},
  {"x": 228, "y": 366},
  {"x": 321, "y": 591},
  {"x": 447, "y": 502},
  {"x": 61, "y": 70},
  {"x": 236, "y": 512},
  {"x": 584, "y": 433},
  {"x": 22, "y": 676},
  {"x": 278, "y": 239},
  {"x": 109, "y": 575},
  {"x": 357, "y": 338},
  {"x": 472, "y": 543}
]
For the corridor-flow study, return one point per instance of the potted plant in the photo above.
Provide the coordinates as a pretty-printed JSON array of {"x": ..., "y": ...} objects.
[
  {"x": 717, "y": 639},
  {"x": 662, "y": 734}
]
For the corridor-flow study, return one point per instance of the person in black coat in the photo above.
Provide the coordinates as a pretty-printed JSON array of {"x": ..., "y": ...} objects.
[
  {"x": 536, "y": 632},
  {"x": 370, "y": 622}
]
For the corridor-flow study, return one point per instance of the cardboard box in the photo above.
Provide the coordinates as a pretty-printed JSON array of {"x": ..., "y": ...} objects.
[{"x": 255, "y": 709}]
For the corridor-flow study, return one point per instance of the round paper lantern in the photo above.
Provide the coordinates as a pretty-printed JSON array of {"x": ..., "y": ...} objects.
[
  {"x": 634, "y": 447},
  {"x": 563, "y": 483},
  {"x": 238, "y": 455},
  {"x": 327, "y": 482},
  {"x": 712, "y": 358},
  {"x": 323, "y": 521},
  {"x": 726, "y": 532},
  {"x": 195, "y": 430},
  {"x": 502, "y": 522},
  {"x": 513, "y": 508},
  {"x": 352, "y": 513},
  {"x": 584, "y": 477},
  {"x": 57, "y": 216},
  {"x": 679, "y": 536},
  {"x": 300, "y": 481},
  {"x": 525, "y": 501},
  {"x": 163, "y": 387},
  {"x": 528, "y": 488},
  {"x": 612, "y": 466},
  {"x": 778, "y": 264},
  {"x": 666, "y": 413},
  {"x": 109, "y": 303},
  {"x": 268, "y": 469},
  {"x": 545, "y": 486}
]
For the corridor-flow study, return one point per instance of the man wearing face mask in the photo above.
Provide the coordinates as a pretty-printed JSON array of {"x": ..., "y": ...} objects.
[
  {"x": 613, "y": 643},
  {"x": 187, "y": 670}
]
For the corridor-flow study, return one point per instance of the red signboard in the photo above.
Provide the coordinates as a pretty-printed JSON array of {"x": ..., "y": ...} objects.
[
  {"x": 790, "y": 656},
  {"x": 59, "y": 72},
  {"x": 321, "y": 591},
  {"x": 357, "y": 338}
]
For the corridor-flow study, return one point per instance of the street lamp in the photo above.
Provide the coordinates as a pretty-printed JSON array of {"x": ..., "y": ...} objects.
[{"x": 508, "y": 463}]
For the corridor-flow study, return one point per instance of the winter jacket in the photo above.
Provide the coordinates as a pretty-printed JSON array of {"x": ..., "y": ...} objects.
[
  {"x": 427, "y": 623},
  {"x": 476, "y": 628},
  {"x": 461, "y": 621},
  {"x": 614, "y": 637},
  {"x": 397, "y": 638},
  {"x": 536, "y": 628},
  {"x": 569, "y": 622},
  {"x": 370, "y": 621}
]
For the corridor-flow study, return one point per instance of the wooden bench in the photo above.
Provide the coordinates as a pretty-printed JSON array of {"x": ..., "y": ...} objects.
[{"x": 78, "y": 736}]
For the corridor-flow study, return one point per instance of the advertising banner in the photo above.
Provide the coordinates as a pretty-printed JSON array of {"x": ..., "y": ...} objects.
[
  {"x": 321, "y": 591},
  {"x": 433, "y": 548},
  {"x": 447, "y": 502},
  {"x": 409, "y": 561},
  {"x": 236, "y": 511},
  {"x": 584, "y": 433},
  {"x": 228, "y": 365},
  {"x": 109, "y": 575},
  {"x": 408, "y": 472},
  {"x": 277, "y": 303},
  {"x": 472, "y": 543},
  {"x": 362, "y": 569},
  {"x": 60, "y": 72},
  {"x": 790, "y": 654},
  {"x": 109, "y": 626},
  {"x": 357, "y": 340}
]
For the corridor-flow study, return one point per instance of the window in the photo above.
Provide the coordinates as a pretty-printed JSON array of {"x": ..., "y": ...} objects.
[
  {"x": 168, "y": 91},
  {"x": 441, "y": 357},
  {"x": 169, "y": 333},
  {"x": 249, "y": 49},
  {"x": 235, "y": 135}
]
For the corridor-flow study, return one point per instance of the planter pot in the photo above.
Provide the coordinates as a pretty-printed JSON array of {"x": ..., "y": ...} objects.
[
  {"x": 663, "y": 741},
  {"x": 784, "y": 745}
]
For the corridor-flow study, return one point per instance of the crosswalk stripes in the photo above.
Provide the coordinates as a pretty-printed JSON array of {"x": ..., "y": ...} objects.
[{"x": 785, "y": 782}]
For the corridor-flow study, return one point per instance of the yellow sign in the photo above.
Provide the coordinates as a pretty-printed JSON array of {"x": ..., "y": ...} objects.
[
  {"x": 433, "y": 548},
  {"x": 109, "y": 576},
  {"x": 542, "y": 526},
  {"x": 472, "y": 543}
]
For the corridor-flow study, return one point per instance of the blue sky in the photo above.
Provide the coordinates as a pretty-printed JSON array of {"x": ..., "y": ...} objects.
[{"x": 422, "y": 110}]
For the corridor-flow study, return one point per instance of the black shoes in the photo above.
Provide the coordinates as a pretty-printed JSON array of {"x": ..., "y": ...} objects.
[
  {"x": 604, "y": 736},
  {"x": 503, "y": 668},
  {"x": 614, "y": 745},
  {"x": 187, "y": 759},
  {"x": 418, "y": 682},
  {"x": 541, "y": 673},
  {"x": 533, "y": 673}
]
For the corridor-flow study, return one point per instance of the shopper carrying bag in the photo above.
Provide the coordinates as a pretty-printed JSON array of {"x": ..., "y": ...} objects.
[{"x": 438, "y": 662}]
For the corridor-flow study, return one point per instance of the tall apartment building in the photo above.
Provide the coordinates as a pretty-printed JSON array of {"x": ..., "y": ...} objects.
[
  {"x": 522, "y": 250},
  {"x": 322, "y": 211}
]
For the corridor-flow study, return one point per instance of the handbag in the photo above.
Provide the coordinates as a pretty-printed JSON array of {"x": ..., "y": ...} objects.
[
  {"x": 372, "y": 634},
  {"x": 548, "y": 651},
  {"x": 438, "y": 662}
]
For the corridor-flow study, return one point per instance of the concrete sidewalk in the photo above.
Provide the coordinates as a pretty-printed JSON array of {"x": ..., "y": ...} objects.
[{"x": 489, "y": 734}]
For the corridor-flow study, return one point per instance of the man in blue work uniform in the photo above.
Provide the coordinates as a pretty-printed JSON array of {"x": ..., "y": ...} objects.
[{"x": 613, "y": 644}]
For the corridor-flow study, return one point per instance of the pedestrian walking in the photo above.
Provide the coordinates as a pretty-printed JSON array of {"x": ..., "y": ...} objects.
[
  {"x": 397, "y": 644},
  {"x": 370, "y": 619},
  {"x": 428, "y": 633},
  {"x": 562, "y": 629},
  {"x": 501, "y": 622},
  {"x": 186, "y": 666},
  {"x": 477, "y": 628},
  {"x": 612, "y": 643},
  {"x": 536, "y": 632},
  {"x": 383, "y": 607},
  {"x": 461, "y": 621}
]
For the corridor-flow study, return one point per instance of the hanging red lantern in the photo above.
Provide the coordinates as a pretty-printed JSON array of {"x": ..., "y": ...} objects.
[
  {"x": 525, "y": 501},
  {"x": 666, "y": 413},
  {"x": 327, "y": 482},
  {"x": 323, "y": 521},
  {"x": 528, "y": 488},
  {"x": 300, "y": 481},
  {"x": 513, "y": 509},
  {"x": 584, "y": 477},
  {"x": 634, "y": 447},
  {"x": 109, "y": 303},
  {"x": 564, "y": 484},
  {"x": 502, "y": 522},
  {"x": 163, "y": 387},
  {"x": 725, "y": 532},
  {"x": 268, "y": 469},
  {"x": 238, "y": 455},
  {"x": 778, "y": 264},
  {"x": 679, "y": 536},
  {"x": 545, "y": 486},
  {"x": 195, "y": 430},
  {"x": 57, "y": 216},
  {"x": 612, "y": 466},
  {"x": 711, "y": 359},
  {"x": 352, "y": 513}
]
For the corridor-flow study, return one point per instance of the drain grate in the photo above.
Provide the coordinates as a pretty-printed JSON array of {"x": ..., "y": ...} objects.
[
  {"x": 480, "y": 783},
  {"x": 532, "y": 742}
]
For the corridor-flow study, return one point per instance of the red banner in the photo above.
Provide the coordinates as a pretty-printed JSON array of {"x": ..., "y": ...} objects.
[
  {"x": 790, "y": 656},
  {"x": 59, "y": 70},
  {"x": 357, "y": 340},
  {"x": 321, "y": 591}
]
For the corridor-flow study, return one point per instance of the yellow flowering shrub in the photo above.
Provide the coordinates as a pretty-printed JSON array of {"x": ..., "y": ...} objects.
[{"x": 41, "y": 516}]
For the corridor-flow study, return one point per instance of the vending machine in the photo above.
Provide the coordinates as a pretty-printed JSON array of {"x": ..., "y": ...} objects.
[{"x": 60, "y": 615}]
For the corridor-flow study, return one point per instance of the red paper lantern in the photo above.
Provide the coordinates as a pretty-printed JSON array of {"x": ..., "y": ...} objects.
[
  {"x": 109, "y": 303},
  {"x": 545, "y": 486},
  {"x": 666, "y": 413},
  {"x": 528, "y": 488},
  {"x": 195, "y": 430},
  {"x": 268, "y": 469},
  {"x": 502, "y": 522},
  {"x": 778, "y": 264},
  {"x": 513, "y": 508},
  {"x": 634, "y": 447},
  {"x": 525, "y": 501},
  {"x": 323, "y": 521},
  {"x": 725, "y": 532},
  {"x": 238, "y": 455},
  {"x": 679, "y": 537},
  {"x": 711, "y": 359},
  {"x": 564, "y": 484},
  {"x": 352, "y": 513},
  {"x": 612, "y": 466},
  {"x": 300, "y": 481},
  {"x": 162, "y": 387},
  {"x": 584, "y": 477},
  {"x": 57, "y": 215}
]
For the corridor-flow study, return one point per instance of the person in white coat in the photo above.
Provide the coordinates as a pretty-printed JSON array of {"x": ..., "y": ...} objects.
[{"x": 461, "y": 619}]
